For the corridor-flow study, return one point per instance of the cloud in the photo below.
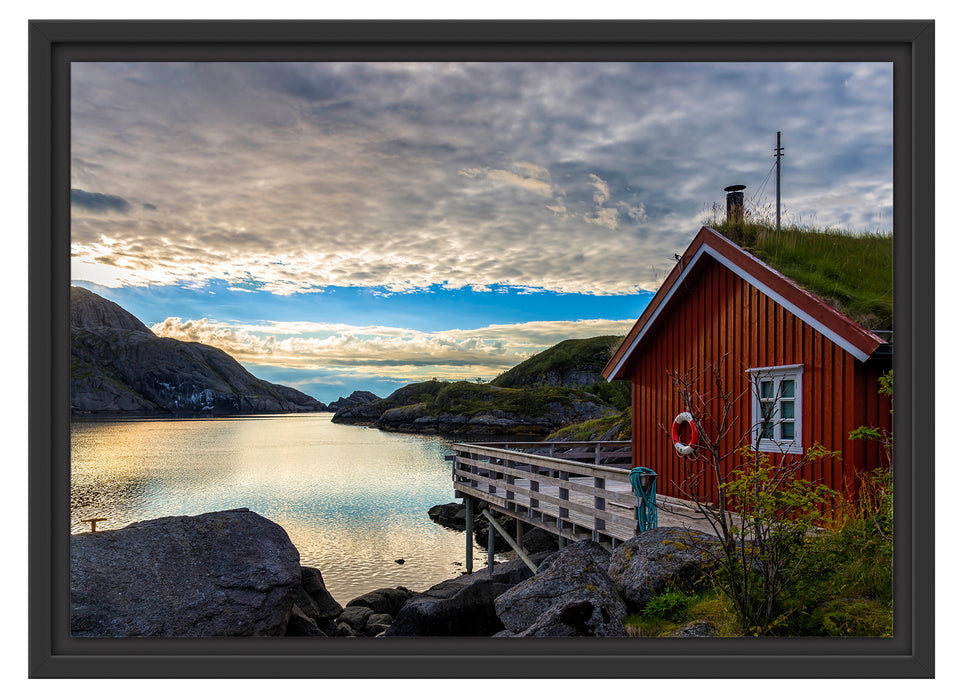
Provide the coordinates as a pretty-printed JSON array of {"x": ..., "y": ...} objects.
[
  {"x": 295, "y": 177},
  {"x": 602, "y": 189},
  {"x": 399, "y": 352},
  {"x": 97, "y": 202}
]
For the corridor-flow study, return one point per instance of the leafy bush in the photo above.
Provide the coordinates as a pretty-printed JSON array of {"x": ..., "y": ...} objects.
[{"x": 671, "y": 605}]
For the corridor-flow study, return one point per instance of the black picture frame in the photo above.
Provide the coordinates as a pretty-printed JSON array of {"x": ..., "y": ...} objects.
[{"x": 53, "y": 45}]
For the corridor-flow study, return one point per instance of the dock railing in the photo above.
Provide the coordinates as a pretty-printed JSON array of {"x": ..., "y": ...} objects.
[{"x": 575, "y": 490}]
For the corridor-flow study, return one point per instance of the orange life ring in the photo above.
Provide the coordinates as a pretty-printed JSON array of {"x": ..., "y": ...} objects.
[{"x": 684, "y": 417}]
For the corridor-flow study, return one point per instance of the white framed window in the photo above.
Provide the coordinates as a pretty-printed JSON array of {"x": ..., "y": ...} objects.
[{"x": 777, "y": 408}]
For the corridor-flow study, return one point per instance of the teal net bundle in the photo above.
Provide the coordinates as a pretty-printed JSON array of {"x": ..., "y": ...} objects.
[{"x": 643, "y": 481}]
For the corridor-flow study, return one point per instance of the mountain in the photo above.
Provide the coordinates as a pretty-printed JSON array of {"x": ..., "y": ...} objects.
[{"x": 119, "y": 366}]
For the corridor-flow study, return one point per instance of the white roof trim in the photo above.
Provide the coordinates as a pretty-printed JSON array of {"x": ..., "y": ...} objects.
[{"x": 795, "y": 310}]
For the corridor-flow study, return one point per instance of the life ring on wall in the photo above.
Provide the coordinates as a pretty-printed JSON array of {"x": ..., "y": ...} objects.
[{"x": 678, "y": 421}]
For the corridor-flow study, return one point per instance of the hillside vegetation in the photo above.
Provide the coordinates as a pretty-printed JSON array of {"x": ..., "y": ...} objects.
[
  {"x": 575, "y": 363},
  {"x": 561, "y": 386},
  {"x": 851, "y": 272}
]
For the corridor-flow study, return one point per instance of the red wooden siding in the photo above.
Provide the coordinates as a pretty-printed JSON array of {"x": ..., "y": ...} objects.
[{"x": 715, "y": 314}]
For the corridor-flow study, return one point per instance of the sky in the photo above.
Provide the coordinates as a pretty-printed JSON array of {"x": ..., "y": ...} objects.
[{"x": 344, "y": 226}]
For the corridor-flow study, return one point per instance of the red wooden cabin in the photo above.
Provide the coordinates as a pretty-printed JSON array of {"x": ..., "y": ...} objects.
[{"x": 817, "y": 370}]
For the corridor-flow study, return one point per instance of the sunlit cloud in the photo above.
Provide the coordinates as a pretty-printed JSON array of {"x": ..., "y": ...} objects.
[{"x": 450, "y": 354}]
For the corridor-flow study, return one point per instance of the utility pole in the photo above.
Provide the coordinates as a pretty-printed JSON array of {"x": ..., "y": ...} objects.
[{"x": 779, "y": 156}]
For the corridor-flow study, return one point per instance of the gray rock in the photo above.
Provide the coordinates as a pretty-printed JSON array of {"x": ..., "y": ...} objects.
[
  {"x": 355, "y": 616},
  {"x": 230, "y": 573},
  {"x": 312, "y": 582},
  {"x": 657, "y": 559},
  {"x": 459, "y": 607},
  {"x": 383, "y": 600},
  {"x": 696, "y": 628},
  {"x": 538, "y": 540},
  {"x": 577, "y": 618},
  {"x": 302, "y": 625},
  {"x": 344, "y": 630},
  {"x": 451, "y": 515},
  {"x": 378, "y": 623},
  {"x": 577, "y": 573},
  {"x": 599, "y": 555}
]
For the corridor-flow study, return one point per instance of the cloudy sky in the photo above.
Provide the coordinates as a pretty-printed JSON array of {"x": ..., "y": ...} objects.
[{"x": 341, "y": 226}]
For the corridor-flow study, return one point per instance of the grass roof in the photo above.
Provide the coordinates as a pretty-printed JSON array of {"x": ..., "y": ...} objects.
[{"x": 850, "y": 272}]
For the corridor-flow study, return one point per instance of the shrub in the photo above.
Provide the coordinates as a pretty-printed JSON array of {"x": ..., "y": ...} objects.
[{"x": 671, "y": 605}]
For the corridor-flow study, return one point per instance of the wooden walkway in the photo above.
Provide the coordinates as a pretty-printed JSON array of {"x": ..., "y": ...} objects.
[{"x": 575, "y": 490}]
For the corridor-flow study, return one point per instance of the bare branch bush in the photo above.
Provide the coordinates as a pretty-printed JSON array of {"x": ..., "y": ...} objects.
[{"x": 765, "y": 510}]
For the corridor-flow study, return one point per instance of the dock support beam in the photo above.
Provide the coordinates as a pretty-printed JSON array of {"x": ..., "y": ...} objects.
[
  {"x": 469, "y": 534},
  {"x": 490, "y": 544},
  {"x": 509, "y": 540}
]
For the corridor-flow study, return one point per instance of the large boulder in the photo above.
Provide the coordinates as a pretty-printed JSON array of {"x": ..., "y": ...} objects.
[
  {"x": 576, "y": 618},
  {"x": 658, "y": 559},
  {"x": 231, "y": 573},
  {"x": 451, "y": 515},
  {"x": 460, "y": 607},
  {"x": 326, "y": 608},
  {"x": 574, "y": 575},
  {"x": 383, "y": 600}
]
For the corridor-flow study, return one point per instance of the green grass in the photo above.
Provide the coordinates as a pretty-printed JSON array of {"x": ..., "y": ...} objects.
[
  {"x": 851, "y": 272},
  {"x": 668, "y": 612},
  {"x": 621, "y": 424},
  {"x": 586, "y": 355}
]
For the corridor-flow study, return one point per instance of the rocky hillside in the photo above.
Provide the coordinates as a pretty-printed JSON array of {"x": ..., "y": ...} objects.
[
  {"x": 357, "y": 398},
  {"x": 470, "y": 408},
  {"x": 560, "y": 387},
  {"x": 119, "y": 366},
  {"x": 574, "y": 363}
]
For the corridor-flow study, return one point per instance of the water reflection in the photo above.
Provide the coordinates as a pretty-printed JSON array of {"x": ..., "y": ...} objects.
[{"x": 353, "y": 500}]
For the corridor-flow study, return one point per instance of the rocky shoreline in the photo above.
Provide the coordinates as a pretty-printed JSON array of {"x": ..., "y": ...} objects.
[{"x": 235, "y": 573}]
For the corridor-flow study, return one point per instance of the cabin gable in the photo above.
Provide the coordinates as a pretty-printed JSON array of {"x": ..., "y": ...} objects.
[{"x": 715, "y": 320}]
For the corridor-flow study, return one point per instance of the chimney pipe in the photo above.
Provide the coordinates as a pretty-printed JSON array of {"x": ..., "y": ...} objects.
[{"x": 734, "y": 203}]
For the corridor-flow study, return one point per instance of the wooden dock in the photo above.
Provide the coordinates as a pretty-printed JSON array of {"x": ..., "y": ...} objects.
[{"x": 575, "y": 490}]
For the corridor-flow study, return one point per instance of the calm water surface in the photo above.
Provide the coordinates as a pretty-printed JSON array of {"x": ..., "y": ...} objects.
[{"x": 352, "y": 499}]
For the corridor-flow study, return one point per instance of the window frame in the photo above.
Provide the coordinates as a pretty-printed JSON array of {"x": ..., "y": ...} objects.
[{"x": 776, "y": 374}]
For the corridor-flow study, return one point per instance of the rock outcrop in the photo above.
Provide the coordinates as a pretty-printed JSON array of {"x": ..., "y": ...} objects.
[
  {"x": 230, "y": 573},
  {"x": 570, "y": 595},
  {"x": 460, "y": 607},
  {"x": 657, "y": 559},
  {"x": 357, "y": 398},
  {"x": 119, "y": 366}
]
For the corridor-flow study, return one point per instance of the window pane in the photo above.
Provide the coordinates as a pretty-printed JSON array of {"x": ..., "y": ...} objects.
[
  {"x": 788, "y": 430},
  {"x": 787, "y": 389},
  {"x": 765, "y": 389},
  {"x": 768, "y": 431},
  {"x": 787, "y": 409}
]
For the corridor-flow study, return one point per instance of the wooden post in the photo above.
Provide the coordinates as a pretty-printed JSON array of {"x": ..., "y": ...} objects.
[
  {"x": 469, "y": 534},
  {"x": 490, "y": 544},
  {"x": 599, "y": 503},
  {"x": 519, "y": 533},
  {"x": 510, "y": 541},
  {"x": 563, "y": 512}
]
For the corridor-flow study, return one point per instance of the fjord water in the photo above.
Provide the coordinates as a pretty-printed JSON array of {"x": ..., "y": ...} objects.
[{"x": 352, "y": 499}]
